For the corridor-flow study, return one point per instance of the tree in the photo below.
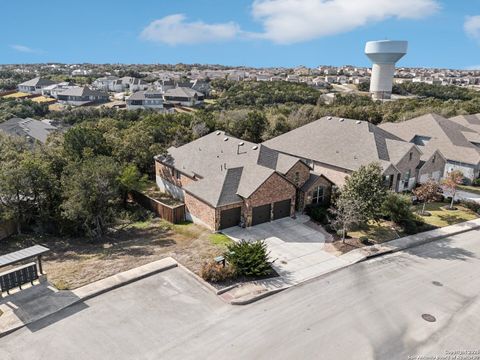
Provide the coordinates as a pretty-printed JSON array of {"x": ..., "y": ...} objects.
[
  {"x": 451, "y": 182},
  {"x": 426, "y": 193},
  {"x": 131, "y": 179},
  {"x": 346, "y": 214},
  {"x": 90, "y": 190},
  {"x": 81, "y": 142},
  {"x": 366, "y": 186}
]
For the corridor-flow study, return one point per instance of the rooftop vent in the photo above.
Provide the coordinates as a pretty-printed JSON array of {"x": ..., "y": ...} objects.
[
  {"x": 255, "y": 147},
  {"x": 225, "y": 139},
  {"x": 218, "y": 132},
  {"x": 329, "y": 118},
  {"x": 241, "y": 143},
  {"x": 358, "y": 122},
  {"x": 341, "y": 120}
]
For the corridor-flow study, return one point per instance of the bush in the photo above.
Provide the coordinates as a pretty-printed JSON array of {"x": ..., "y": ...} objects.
[
  {"x": 476, "y": 182},
  {"x": 397, "y": 207},
  {"x": 364, "y": 240},
  {"x": 409, "y": 226},
  {"x": 249, "y": 258},
  {"x": 213, "y": 272},
  {"x": 472, "y": 205},
  {"x": 318, "y": 214}
]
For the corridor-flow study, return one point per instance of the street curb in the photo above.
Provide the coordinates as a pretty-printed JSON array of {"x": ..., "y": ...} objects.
[
  {"x": 258, "y": 297},
  {"x": 419, "y": 243},
  {"x": 93, "y": 294}
]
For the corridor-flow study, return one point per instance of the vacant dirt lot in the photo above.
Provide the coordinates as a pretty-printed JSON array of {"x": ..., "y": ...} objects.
[{"x": 76, "y": 262}]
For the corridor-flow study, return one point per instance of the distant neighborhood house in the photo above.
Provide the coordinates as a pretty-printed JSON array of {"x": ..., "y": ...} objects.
[
  {"x": 81, "y": 95},
  {"x": 183, "y": 96},
  {"x": 150, "y": 99},
  {"x": 35, "y": 86},
  {"x": 30, "y": 129}
]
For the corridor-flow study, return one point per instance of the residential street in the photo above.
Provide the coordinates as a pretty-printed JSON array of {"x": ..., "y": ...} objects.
[{"x": 371, "y": 310}]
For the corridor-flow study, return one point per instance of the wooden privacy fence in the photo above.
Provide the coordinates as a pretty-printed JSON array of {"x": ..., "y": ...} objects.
[
  {"x": 7, "y": 228},
  {"x": 173, "y": 214}
]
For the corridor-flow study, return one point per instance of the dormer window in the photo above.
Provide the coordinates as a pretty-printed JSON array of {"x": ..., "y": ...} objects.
[
  {"x": 433, "y": 159},
  {"x": 410, "y": 156},
  {"x": 297, "y": 177}
]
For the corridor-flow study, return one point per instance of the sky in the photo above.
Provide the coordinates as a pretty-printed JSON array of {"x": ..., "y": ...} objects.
[{"x": 262, "y": 33}]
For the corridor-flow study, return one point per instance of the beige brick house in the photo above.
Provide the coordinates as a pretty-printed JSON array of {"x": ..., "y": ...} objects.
[{"x": 225, "y": 181}]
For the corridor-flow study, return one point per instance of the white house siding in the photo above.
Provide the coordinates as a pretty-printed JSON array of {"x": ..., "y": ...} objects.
[
  {"x": 469, "y": 171},
  {"x": 168, "y": 187}
]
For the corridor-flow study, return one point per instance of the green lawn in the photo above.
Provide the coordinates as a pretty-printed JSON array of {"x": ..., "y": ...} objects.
[
  {"x": 220, "y": 239},
  {"x": 378, "y": 232},
  {"x": 469, "y": 188},
  {"x": 441, "y": 217}
]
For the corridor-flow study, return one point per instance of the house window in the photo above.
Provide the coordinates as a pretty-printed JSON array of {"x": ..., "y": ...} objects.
[
  {"x": 410, "y": 156},
  {"x": 172, "y": 172},
  {"x": 177, "y": 174},
  {"x": 318, "y": 195},
  {"x": 433, "y": 159},
  {"x": 297, "y": 178}
]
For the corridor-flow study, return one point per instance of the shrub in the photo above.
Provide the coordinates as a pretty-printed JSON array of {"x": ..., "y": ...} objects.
[
  {"x": 318, "y": 213},
  {"x": 364, "y": 240},
  {"x": 476, "y": 182},
  {"x": 213, "y": 272},
  {"x": 409, "y": 226},
  {"x": 397, "y": 207},
  {"x": 249, "y": 258},
  {"x": 472, "y": 205}
]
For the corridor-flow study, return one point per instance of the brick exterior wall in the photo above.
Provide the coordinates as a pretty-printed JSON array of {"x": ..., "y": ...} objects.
[
  {"x": 200, "y": 212},
  {"x": 431, "y": 168},
  {"x": 298, "y": 174},
  {"x": 405, "y": 165},
  {"x": 275, "y": 188},
  {"x": 305, "y": 198}
]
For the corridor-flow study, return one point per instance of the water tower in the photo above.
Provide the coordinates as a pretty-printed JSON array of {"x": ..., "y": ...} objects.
[{"x": 384, "y": 54}]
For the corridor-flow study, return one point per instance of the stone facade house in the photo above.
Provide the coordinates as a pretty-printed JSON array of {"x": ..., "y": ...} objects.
[
  {"x": 434, "y": 134},
  {"x": 335, "y": 147},
  {"x": 225, "y": 181}
]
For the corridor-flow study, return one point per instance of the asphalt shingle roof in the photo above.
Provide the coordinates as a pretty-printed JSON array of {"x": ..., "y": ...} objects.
[
  {"x": 344, "y": 143},
  {"x": 38, "y": 81},
  {"x": 35, "y": 129},
  {"x": 228, "y": 169},
  {"x": 447, "y": 136}
]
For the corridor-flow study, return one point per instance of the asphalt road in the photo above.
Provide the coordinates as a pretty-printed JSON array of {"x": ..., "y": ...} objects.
[{"x": 372, "y": 310}]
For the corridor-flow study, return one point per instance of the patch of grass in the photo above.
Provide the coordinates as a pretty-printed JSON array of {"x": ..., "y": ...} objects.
[
  {"x": 442, "y": 217},
  {"x": 220, "y": 239},
  {"x": 378, "y": 232},
  {"x": 141, "y": 224},
  {"x": 469, "y": 188},
  {"x": 61, "y": 285}
]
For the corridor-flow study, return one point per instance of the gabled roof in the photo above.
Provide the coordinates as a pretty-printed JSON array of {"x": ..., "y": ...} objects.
[
  {"x": 344, "y": 143},
  {"x": 35, "y": 129},
  {"x": 81, "y": 91},
  {"x": 227, "y": 169},
  {"x": 450, "y": 138},
  {"x": 182, "y": 92},
  {"x": 470, "y": 121},
  {"x": 38, "y": 81},
  {"x": 142, "y": 95}
]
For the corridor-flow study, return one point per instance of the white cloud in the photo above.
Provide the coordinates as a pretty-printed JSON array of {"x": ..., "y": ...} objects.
[
  {"x": 173, "y": 30},
  {"x": 290, "y": 21},
  {"x": 22, "y": 48},
  {"x": 472, "y": 26}
]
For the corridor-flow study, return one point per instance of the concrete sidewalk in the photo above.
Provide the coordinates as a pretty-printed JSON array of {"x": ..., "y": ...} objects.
[
  {"x": 31, "y": 304},
  {"x": 256, "y": 290}
]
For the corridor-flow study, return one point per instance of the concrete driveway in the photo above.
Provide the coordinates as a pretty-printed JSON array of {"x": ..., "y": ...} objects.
[{"x": 296, "y": 246}]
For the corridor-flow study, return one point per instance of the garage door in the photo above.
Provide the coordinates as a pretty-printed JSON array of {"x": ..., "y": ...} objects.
[
  {"x": 229, "y": 218},
  {"x": 260, "y": 214},
  {"x": 281, "y": 209}
]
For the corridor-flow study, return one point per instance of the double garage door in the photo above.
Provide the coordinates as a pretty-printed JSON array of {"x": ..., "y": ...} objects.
[{"x": 262, "y": 214}]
